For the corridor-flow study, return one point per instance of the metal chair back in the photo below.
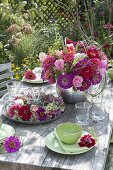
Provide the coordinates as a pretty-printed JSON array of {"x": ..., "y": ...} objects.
[{"x": 5, "y": 76}]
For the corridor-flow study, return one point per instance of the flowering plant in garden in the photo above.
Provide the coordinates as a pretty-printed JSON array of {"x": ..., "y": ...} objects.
[
  {"x": 28, "y": 63},
  {"x": 45, "y": 108},
  {"x": 78, "y": 65},
  {"x": 10, "y": 144}
]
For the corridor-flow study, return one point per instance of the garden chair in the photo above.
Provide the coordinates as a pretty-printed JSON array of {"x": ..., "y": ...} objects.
[{"x": 5, "y": 76}]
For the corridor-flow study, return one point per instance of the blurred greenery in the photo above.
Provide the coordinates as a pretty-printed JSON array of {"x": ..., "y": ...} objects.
[{"x": 29, "y": 27}]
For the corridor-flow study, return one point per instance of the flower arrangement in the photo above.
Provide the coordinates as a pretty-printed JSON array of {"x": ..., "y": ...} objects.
[
  {"x": 45, "y": 108},
  {"x": 78, "y": 65}
]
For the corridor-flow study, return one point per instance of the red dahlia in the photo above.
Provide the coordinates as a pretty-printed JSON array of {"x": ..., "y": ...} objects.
[
  {"x": 86, "y": 72},
  {"x": 87, "y": 140},
  {"x": 24, "y": 112},
  {"x": 95, "y": 63},
  {"x": 93, "y": 52}
]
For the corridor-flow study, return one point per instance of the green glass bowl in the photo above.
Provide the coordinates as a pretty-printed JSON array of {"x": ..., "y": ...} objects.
[
  {"x": 110, "y": 73},
  {"x": 69, "y": 133}
]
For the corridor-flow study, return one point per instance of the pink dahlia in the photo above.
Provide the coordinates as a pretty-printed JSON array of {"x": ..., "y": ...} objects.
[
  {"x": 87, "y": 140},
  {"x": 94, "y": 63},
  {"x": 85, "y": 85},
  {"x": 51, "y": 80},
  {"x": 12, "y": 144},
  {"x": 59, "y": 64},
  {"x": 30, "y": 75},
  {"x": 103, "y": 56},
  {"x": 13, "y": 110},
  {"x": 68, "y": 57},
  {"x": 77, "y": 81},
  {"x": 97, "y": 77},
  {"x": 48, "y": 62},
  {"x": 48, "y": 75}
]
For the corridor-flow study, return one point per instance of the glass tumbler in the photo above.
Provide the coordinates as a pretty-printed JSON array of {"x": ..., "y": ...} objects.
[
  {"x": 13, "y": 88},
  {"x": 82, "y": 112},
  {"x": 98, "y": 108}
]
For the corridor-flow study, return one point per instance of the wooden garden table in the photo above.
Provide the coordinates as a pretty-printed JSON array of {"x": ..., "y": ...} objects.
[{"x": 34, "y": 155}]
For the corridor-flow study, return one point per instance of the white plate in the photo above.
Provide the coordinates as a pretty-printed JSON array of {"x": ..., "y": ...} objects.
[
  {"x": 38, "y": 80},
  {"x": 37, "y": 71}
]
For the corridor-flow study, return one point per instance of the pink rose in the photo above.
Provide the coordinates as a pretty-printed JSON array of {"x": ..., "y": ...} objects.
[
  {"x": 59, "y": 64},
  {"x": 77, "y": 81}
]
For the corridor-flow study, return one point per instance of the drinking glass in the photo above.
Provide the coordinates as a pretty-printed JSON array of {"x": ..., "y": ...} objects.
[
  {"x": 82, "y": 112},
  {"x": 13, "y": 88},
  {"x": 26, "y": 92},
  {"x": 98, "y": 108}
]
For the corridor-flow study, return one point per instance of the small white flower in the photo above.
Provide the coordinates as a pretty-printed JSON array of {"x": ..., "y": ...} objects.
[
  {"x": 42, "y": 56},
  {"x": 80, "y": 55},
  {"x": 19, "y": 101}
]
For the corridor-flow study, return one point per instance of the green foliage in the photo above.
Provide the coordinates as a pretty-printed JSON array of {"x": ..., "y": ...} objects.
[{"x": 18, "y": 39}]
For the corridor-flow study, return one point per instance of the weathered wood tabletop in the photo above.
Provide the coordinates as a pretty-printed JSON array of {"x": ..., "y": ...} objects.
[{"x": 36, "y": 156}]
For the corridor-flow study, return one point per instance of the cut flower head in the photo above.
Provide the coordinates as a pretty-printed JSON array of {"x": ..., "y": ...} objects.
[{"x": 30, "y": 75}]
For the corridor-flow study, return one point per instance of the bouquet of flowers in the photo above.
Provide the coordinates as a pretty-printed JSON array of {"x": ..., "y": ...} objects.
[
  {"x": 45, "y": 108},
  {"x": 77, "y": 65}
]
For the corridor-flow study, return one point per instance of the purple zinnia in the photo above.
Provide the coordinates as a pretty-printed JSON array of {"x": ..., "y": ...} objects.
[
  {"x": 96, "y": 78},
  {"x": 65, "y": 81},
  {"x": 41, "y": 114},
  {"x": 12, "y": 144},
  {"x": 85, "y": 85},
  {"x": 82, "y": 63},
  {"x": 49, "y": 61},
  {"x": 75, "y": 72}
]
